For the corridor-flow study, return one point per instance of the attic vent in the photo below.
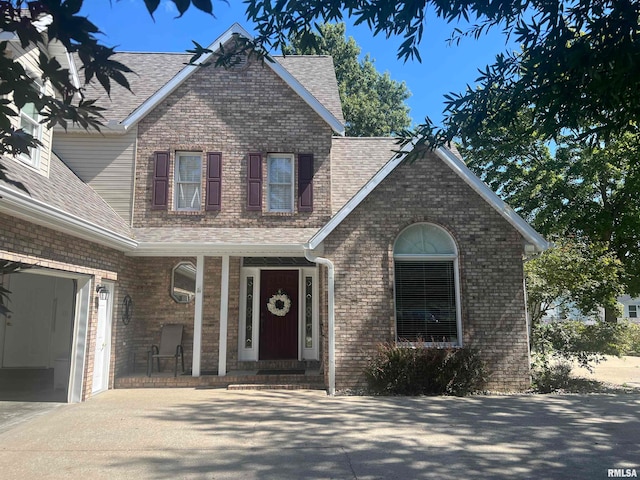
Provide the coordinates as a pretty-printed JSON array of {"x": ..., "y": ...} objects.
[{"x": 239, "y": 62}]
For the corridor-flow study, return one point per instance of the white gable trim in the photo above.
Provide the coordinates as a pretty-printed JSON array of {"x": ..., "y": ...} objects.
[
  {"x": 188, "y": 70},
  {"x": 460, "y": 168},
  {"x": 532, "y": 237}
]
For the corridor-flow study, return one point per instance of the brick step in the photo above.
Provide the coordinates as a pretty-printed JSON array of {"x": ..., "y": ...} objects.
[
  {"x": 274, "y": 386},
  {"x": 280, "y": 365},
  {"x": 167, "y": 380}
]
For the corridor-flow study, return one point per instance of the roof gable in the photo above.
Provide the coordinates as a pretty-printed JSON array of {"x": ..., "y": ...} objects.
[
  {"x": 159, "y": 95},
  {"x": 458, "y": 166}
]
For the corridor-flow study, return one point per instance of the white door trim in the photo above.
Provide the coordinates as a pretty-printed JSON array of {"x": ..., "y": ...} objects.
[
  {"x": 248, "y": 354},
  {"x": 106, "y": 352}
]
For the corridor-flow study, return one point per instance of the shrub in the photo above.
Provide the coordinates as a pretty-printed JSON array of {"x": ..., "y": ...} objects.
[
  {"x": 550, "y": 378},
  {"x": 632, "y": 339},
  {"x": 577, "y": 341},
  {"x": 404, "y": 369}
]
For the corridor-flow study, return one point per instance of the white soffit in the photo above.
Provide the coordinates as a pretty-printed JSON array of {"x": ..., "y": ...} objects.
[
  {"x": 458, "y": 166},
  {"x": 188, "y": 70}
]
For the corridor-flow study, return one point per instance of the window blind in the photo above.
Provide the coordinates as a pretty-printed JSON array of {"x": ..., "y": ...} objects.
[{"x": 425, "y": 301}]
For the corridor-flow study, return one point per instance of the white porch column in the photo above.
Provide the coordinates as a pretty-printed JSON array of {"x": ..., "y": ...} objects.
[
  {"x": 224, "y": 317},
  {"x": 197, "y": 317}
]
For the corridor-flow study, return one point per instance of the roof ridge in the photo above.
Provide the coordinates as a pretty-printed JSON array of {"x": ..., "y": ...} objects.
[
  {"x": 296, "y": 55},
  {"x": 153, "y": 53}
]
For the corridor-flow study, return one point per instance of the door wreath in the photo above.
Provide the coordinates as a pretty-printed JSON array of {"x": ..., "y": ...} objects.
[{"x": 279, "y": 304}]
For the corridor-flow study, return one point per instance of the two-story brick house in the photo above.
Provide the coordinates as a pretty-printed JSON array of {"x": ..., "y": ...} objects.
[{"x": 229, "y": 201}]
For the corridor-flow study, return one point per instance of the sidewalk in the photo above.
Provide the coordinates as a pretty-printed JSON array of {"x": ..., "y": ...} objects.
[{"x": 220, "y": 434}]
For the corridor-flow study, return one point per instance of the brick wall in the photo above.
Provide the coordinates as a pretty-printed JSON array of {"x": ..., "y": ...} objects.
[
  {"x": 46, "y": 248},
  {"x": 491, "y": 274},
  {"x": 233, "y": 112},
  {"x": 155, "y": 307}
]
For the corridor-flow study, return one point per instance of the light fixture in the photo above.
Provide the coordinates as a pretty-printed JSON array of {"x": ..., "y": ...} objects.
[{"x": 102, "y": 292}]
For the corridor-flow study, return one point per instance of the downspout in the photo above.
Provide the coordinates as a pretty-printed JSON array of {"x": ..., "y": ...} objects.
[{"x": 331, "y": 315}]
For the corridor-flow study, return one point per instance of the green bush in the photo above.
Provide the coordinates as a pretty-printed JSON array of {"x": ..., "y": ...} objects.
[
  {"x": 577, "y": 341},
  {"x": 632, "y": 339},
  {"x": 403, "y": 369},
  {"x": 550, "y": 378}
]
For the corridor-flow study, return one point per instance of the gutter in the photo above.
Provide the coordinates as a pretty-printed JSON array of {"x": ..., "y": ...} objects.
[
  {"x": 21, "y": 205},
  {"x": 331, "y": 314}
]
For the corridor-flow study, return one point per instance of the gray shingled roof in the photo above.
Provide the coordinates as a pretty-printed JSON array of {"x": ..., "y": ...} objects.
[
  {"x": 317, "y": 74},
  {"x": 154, "y": 70},
  {"x": 65, "y": 191},
  {"x": 354, "y": 160}
]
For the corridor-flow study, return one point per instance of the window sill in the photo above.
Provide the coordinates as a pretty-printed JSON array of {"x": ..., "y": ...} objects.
[
  {"x": 428, "y": 344},
  {"x": 278, "y": 214},
  {"x": 188, "y": 213}
]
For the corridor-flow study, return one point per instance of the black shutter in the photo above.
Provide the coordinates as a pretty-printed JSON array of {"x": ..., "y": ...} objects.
[
  {"x": 305, "y": 182},
  {"x": 214, "y": 182},
  {"x": 160, "y": 193},
  {"x": 254, "y": 182}
]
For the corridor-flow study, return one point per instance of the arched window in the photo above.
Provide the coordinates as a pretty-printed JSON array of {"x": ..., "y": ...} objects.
[{"x": 426, "y": 285}]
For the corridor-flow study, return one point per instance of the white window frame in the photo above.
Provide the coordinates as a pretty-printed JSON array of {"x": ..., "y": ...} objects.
[
  {"x": 291, "y": 158},
  {"x": 635, "y": 311},
  {"x": 454, "y": 258},
  {"x": 176, "y": 183},
  {"x": 34, "y": 158}
]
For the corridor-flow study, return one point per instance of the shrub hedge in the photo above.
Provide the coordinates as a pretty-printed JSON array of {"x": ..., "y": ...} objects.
[{"x": 405, "y": 369}]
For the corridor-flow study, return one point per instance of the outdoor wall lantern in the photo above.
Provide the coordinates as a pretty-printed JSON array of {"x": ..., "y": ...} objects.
[{"x": 102, "y": 292}]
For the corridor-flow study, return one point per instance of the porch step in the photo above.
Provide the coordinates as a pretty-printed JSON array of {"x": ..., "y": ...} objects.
[
  {"x": 280, "y": 365},
  {"x": 267, "y": 386},
  {"x": 311, "y": 380}
]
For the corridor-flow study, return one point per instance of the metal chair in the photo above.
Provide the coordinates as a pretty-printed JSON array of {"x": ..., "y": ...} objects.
[{"x": 170, "y": 347}]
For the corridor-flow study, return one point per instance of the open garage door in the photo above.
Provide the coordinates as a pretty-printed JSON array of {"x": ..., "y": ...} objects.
[{"x": 39, "y": 337}]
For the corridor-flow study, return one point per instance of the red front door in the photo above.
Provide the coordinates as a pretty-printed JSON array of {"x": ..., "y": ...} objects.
[{"x": 279, "y": 329}]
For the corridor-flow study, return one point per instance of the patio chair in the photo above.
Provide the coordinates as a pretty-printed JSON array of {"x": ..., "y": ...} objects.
[{"x": 170, "y": 347}]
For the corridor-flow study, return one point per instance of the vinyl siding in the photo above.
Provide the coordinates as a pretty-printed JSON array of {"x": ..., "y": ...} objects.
[
  {"x": 28, "y": 59},
  {"x": 104, "y": 162}
]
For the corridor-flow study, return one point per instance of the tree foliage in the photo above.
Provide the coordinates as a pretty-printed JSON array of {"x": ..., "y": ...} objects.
[
  {"x": 40, "y": 24},
  {"x": 578, "y": 68},
  {"x": 588, "y": 193},
  {"x": 573, "y": 274},
  {"x": 372, "y": 102}
]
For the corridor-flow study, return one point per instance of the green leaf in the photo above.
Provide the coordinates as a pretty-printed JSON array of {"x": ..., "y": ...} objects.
[{"x": 204, "y": 5}]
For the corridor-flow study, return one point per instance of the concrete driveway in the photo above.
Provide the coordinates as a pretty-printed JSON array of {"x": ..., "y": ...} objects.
[{"x": 220, "y": 434}]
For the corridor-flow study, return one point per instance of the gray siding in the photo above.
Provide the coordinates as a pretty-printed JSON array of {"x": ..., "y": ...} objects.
[
  {"x": 106, "y": 163},
  {"x": 29, "y": 60}
]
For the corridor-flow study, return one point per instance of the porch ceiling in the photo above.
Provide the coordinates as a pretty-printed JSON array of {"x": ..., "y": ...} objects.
[{"x": 168, "y": 241}]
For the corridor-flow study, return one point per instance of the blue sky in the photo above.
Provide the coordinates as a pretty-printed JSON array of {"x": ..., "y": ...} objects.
[{"x": 127, "y": 25}]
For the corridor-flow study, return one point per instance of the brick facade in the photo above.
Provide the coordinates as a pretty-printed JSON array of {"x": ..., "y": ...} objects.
[
  {"x": 46, "y": 248},
  {"x": 491, "y": 274},
  {"x": 235, "y": 112},
  {"x": 252, "y": 110}
]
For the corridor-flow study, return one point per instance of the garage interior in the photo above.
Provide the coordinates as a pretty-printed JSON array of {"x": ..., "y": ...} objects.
[{"x": 36, "y": 337}]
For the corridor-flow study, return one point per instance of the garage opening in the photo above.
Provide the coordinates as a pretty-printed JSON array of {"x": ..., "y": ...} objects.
[{"x": 37, "y": 346}]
